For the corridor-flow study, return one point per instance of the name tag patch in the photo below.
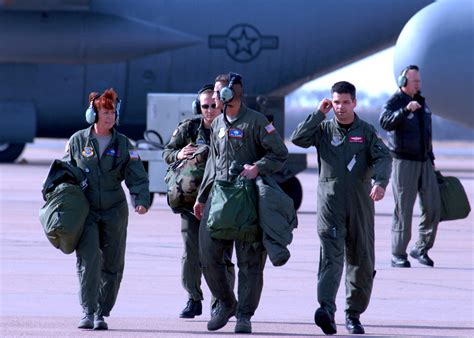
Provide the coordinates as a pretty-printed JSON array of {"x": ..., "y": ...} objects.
[
  {"x": 356, "y": 139},
  {"x": 111, "y": 152},
  {"x": 236, "y": 133}
]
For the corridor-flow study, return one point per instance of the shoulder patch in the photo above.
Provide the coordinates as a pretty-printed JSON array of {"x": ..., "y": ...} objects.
[
  {"x": 134, "y": 155},
  {"x": 270, "y": 128}
]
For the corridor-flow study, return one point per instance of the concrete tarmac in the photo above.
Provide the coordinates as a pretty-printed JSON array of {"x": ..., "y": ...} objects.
[{"x": 38, "y": 283}]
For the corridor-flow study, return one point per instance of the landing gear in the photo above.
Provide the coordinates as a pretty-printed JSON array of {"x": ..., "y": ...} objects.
[{"x": 9, "y": 152}]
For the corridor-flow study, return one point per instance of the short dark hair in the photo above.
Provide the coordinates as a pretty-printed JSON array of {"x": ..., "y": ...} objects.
[
  {"x": 344, "y": 87},
  {"x": 410, "y": 67},
  {"x": 224, "y": 78}
]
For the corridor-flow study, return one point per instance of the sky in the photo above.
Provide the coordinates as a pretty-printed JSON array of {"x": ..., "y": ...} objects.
[{"x": 373, "y": 75}]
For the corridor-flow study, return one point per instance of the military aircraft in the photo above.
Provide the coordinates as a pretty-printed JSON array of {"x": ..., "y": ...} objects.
[{"x": 54, "y": 52}]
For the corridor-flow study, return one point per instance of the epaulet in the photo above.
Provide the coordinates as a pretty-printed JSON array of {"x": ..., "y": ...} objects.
[{"x": 184, "y": 121}]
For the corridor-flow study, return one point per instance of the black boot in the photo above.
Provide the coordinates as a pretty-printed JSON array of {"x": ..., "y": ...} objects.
[
  {"x": 422, "y": 257},
  {"x": 243, "y": 325},
  {"x": 222, "y": 316},
  {"x": 325, "y": 321},
  {"x": 400, "y": 262},
  {"x": 354, "y": 326},
  {"x": 99, "y": 323},
  {"x": 193, "y": 308}
]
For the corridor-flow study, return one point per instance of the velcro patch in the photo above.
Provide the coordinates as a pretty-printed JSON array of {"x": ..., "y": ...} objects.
[
  {"x": 270, "y": 128},
  {"x": 111, "y": 152},
  {"x": 88, "y": 152},
  {"x": 236, "y": 133},
  {"x": 356, "y": 139},
  {"x": 134, "y": 155}
]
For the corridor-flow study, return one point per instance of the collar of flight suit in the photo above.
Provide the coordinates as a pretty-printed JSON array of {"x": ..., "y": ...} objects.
[
  {"x": 355, "y": 124},
  {"x": 242, "y": 112},
  {"x": 90, "y": 135}
]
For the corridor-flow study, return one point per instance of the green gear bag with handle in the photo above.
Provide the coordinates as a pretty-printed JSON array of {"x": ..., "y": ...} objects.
[
  {"x": 63, "y": 216},
  {"x": 233, "y": 212},
  {"x": 454, "y": 201}
]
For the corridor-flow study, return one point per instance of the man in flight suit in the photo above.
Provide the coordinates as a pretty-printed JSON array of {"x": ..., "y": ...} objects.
[
  {"x": 243, "y": 138},
  {"x": 407, "y": 119},
  {"x": 350, "y": 157},
  {"x": 183, "y": 143}
]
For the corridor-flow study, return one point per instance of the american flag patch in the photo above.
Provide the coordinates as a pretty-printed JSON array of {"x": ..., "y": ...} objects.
[
  {"x": 134, "y": 155},
  {"x": 270, "y": 128},
  {"x": 356, "y": 139}
]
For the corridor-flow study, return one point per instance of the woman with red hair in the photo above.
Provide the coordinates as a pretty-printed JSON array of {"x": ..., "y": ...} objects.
[{"x": 107, "y": 158}]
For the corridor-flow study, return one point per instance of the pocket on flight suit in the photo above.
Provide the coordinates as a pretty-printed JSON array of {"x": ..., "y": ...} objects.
[{"x": 328, "y": 208}]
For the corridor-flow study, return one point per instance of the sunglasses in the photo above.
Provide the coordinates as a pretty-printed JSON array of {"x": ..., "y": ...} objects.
[{"x": 206, "y": 106}]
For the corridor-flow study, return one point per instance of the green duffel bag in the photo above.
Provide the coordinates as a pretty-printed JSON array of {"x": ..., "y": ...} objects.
[
  {"x": 454, "y": 201},
  {"x": 233, "y": 211},
  {"x": 63, "y": 216}
]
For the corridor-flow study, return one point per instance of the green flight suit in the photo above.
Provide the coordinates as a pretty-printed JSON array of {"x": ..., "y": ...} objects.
[
  {"x": 250, "y": 139},
  {"x": 101, "y": 249},
  {"x": 348, "y": 159},
  {"x": 192, "y": 131}
]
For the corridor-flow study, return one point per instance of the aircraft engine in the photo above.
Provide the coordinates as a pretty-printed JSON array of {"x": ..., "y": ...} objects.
[{"x": 440, "y": 40}]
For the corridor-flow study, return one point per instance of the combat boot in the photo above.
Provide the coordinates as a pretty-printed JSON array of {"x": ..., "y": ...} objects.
[
  {"x": 99, "y": 323},
  {"x": 243, "y": 325},
  {"x": 193, "y": 308},
  {"x": 422, "y": 257},
  {"x": 400, "y": 262},
  {"x": 86, "y": 322},
  {"x": 325, "y": 321},
  {"x": 354, "y": 326},
  {"x": 222, "y": 316}
]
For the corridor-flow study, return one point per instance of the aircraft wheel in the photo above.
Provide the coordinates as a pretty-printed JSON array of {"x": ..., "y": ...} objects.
[
  {"x": 9, "y": 152},
  {"x": 292, "y": 187}
]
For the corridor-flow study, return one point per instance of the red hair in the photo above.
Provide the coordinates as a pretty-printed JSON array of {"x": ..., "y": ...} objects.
[{"x": 107, "y": 100}]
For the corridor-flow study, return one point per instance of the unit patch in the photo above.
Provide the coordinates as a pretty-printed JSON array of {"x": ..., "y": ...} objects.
[
  {"x": 221, "y": 132},
  {"x": 337, "y": 140},
  {"x": 88, "y": 152}
]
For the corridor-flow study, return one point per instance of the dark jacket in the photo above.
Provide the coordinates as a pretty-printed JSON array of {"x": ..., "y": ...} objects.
[
  {"x": 409, "y": 134},
  {"x": 277, "y": 219}
]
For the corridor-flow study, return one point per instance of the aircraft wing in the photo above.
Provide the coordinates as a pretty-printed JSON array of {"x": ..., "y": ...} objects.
[{"x": 45, "y": 5}]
